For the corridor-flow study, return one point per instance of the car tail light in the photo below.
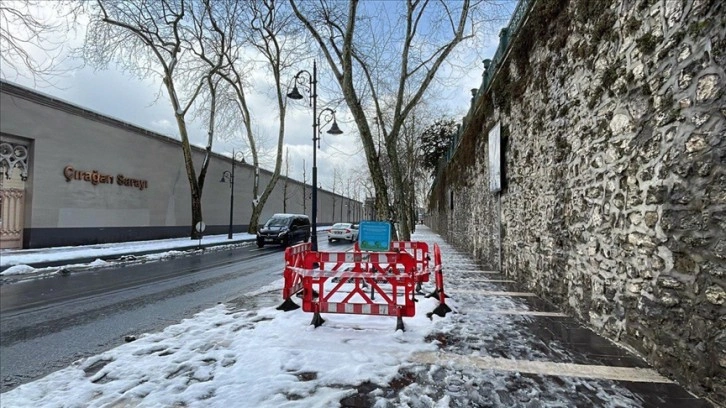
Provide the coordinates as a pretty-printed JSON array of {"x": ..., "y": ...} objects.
[{"x": 347, "y": 231}]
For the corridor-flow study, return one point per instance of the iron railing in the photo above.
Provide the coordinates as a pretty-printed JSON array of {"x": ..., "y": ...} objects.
[{"x": 506, "y": 35}]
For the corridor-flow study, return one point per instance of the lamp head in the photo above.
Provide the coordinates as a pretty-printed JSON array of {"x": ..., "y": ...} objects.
[
  {"x": 295, "y": 94},
  {"x": 334, "y": 129}
]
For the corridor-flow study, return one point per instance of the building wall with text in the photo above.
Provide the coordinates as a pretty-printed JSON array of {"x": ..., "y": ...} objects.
[{"x": 95, "y": 179}]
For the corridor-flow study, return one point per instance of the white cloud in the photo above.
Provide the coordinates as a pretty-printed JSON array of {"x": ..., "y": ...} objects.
[{"x": 163, "y": 126}]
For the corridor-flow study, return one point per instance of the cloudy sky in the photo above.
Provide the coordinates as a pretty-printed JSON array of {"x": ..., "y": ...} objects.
[{"x": 143, "y": 102}]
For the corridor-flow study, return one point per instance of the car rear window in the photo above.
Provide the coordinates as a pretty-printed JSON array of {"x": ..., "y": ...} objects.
[{"x": 278, "y": 222}]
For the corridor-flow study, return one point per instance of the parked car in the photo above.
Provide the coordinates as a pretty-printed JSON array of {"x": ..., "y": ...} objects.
[
  {"x": 343, "y": 230},
  {"x": 284, "y": 229}
]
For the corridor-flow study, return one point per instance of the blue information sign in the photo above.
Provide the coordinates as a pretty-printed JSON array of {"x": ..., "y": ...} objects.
[{"x": 375, "y": 236}]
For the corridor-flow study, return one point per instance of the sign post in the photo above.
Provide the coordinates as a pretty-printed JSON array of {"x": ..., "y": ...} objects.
[{"x": 200, "y": 227}]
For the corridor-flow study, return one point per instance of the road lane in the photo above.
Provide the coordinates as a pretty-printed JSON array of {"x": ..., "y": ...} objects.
[{"x": 46, "y": 324}]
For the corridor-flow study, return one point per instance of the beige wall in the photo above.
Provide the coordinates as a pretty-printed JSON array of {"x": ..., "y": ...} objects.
[{"x": 61, "y": 135}]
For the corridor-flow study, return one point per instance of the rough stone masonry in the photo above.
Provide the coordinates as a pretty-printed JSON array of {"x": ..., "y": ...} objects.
[{"x": 613, "y": 205}]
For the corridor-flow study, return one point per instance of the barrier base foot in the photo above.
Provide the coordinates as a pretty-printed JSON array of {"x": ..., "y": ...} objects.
[
  {"x": 399, "y": 324},
  {"x": 441, "y": 310},
  {"x": 434, "y": 294},
  {"x": 317, "y": 320},
  {"x": 288, "y": 305},
  {"x": 301, "y": 294}
]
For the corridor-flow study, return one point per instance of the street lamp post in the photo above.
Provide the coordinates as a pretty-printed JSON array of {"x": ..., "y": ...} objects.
[
  {"x": 228, "y": 176},
  {"x": 334, "y": 130}
]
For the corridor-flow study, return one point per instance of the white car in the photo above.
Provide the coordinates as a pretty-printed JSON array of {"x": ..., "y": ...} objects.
[{"x": 343, "y": 230}]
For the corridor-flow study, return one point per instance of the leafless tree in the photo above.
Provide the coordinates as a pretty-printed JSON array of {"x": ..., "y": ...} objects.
[
  {"x": 386, "y": 54},
  {"x": 304, "y": 190},
  {"x": 287, "y": 179},
  {"x": 351, "y": 194},
  {"x": 33, "y": 38},
  {"x": 154, "y": 37},
  {"x": 337, "y": 179},
  {"x": 363, "y": 181},
  {"x": 410, "y": 145},
  {"x": 266, "y": 29}
]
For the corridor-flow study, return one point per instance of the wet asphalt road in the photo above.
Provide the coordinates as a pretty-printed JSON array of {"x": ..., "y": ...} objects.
[{"x": 48, "y": 323}]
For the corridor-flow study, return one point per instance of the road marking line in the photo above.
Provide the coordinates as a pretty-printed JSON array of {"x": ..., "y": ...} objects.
[
  {"x": 488, "y": 280},
  {"x": 485, "y": 292},
  {"x": 523, "y": 313},
  {"x": 493, "y": 293},
  {"x": 474, "y": 271},
  {"x": 632, "y": 374}
]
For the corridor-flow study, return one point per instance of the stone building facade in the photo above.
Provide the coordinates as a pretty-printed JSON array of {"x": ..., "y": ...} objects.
[{"x": 613, "y": 199}]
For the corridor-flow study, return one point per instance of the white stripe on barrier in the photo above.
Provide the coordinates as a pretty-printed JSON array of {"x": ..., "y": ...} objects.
[
  {"x": 375, "y": 309},
  {"x": 317, "y": 273},
  {"x": 369, "y": 259}
]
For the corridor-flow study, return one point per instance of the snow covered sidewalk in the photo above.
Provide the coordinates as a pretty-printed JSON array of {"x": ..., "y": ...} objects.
[
  {"x": 27, "y": 261},
  {"x": 500, "y": 347}
]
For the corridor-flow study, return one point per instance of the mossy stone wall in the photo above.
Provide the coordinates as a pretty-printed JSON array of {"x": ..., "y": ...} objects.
[{"x": 613, "y": 118}]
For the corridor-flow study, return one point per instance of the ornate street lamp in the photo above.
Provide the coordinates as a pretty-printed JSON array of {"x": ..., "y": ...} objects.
[
  {"x": 309, "y": 82},
  {"x": 228, "y": 177}
]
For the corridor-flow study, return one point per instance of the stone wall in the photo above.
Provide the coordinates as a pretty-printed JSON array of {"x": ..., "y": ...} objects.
[{"x": 613, "y": 116}]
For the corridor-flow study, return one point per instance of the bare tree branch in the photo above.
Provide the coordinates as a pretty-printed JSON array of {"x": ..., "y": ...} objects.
[
  {"x": 33, "y": 39},
  {"x": 362, "y": 68},
  {"x": 159, "y": 32}
]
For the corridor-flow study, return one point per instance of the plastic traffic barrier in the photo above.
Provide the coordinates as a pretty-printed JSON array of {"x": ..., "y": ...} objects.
[
  {"x": 365, "y": 283},
  {"x": 420, "y": 252},
  {"x": 442, "y": 309}
]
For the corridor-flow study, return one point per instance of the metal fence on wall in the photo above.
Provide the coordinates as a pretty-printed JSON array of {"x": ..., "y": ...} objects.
[{"x": 506, "y": 35}]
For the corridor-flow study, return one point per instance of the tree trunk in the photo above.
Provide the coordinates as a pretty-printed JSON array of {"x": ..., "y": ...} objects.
[
  {"x": 188, "y": 159},
  {"x": 398, "y": 187},
  {"x": 255, "y": 219},
  {"x": 196, "y": 215},
  {"x": 383, "y": 212}
]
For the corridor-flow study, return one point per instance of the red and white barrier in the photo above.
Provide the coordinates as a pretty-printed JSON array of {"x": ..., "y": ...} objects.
[{"x": 365, "y": 283}]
